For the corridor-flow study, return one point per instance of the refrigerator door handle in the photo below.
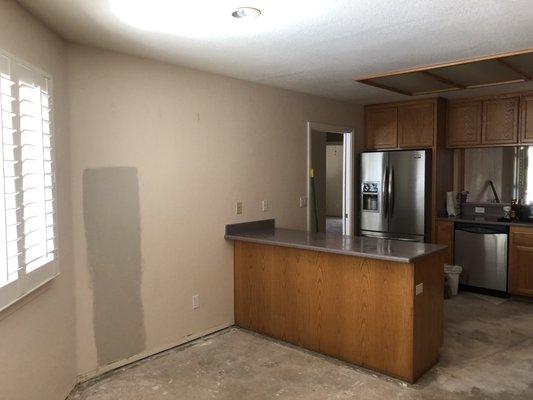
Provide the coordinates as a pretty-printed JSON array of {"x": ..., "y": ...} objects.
[
  {"x": 384, "y": 191},
  {"x": 391, "y": 192}
]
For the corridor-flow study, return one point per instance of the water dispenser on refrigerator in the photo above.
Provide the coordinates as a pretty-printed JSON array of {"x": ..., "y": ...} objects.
[{"x": 370, "y": 193}]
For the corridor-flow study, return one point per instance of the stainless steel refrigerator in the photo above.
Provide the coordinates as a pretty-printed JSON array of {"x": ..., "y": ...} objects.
[{"x": 395, "y": 194}]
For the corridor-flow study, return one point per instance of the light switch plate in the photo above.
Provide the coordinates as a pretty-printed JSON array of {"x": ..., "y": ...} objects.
[
  {"x": 303, "y": 201},
  {"x": 195, "y": 301},
  {"x": 479, "y": 210},
  {"x": 264, "y": 205},
  {"x": 419, "y": 289}
]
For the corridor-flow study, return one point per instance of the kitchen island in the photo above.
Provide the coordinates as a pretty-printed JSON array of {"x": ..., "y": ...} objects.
[{"x": 373, "y": 302}]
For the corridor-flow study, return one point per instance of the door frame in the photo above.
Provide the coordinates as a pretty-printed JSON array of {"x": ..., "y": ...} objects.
[{"x": 348, "y": 198}]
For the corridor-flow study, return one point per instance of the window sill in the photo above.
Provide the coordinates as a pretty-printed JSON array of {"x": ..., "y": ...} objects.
[{"x": 27, "y": 297}]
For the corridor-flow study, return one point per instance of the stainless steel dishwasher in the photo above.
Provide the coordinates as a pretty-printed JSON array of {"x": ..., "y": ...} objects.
[{"x": 482, "y": 252}]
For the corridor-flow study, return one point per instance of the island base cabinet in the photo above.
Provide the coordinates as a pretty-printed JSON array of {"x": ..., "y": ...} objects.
[
  {"x": 521, "y": 261},
  {"x": 360, "y": 310}
]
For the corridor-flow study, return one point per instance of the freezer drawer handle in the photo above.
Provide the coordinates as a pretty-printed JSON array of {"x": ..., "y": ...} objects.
[
  {"x": 406, "y": 239},
  {"x": 391, "y": 238}
]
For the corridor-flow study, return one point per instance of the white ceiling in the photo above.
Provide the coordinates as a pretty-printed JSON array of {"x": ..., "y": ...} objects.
[{"x": 311, "y": 46}]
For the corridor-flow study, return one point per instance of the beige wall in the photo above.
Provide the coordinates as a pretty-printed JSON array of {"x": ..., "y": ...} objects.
[
  {"x": 197, "y": 143},
  {"x": 37, "y": 335}
]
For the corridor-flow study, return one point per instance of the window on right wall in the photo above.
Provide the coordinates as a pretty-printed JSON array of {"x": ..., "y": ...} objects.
[{"x": 27, "y": 189}]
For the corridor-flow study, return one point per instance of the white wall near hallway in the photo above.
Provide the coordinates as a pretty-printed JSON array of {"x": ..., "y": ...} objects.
[{"x": 334, "y": 165}]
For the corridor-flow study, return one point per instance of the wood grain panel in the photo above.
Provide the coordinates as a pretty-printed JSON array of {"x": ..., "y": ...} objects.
[
  {"x": 416, "y": 125},
  {"x": 521, "y": 261},
  {"x": 355, "y": 309},
  {"x": 526, "y": 120},
  {"x": 381, "y": 127},
  {"x": 445, "y": 232},
  {"x": 464, "y": 124},
  {"x": 442, "y": 168},
  {"x": 500, "y": 121},
  {"x": 428, "y": 313}
]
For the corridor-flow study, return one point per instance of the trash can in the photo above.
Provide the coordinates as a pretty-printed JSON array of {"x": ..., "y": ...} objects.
[{"x": 452, "y": 273}]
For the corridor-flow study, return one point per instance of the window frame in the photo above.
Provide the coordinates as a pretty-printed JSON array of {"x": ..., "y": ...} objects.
[{"x": 27, "y": 283}]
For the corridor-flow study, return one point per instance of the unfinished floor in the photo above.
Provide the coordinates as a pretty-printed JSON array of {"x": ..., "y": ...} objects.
[{"x": 487, "y": 354}]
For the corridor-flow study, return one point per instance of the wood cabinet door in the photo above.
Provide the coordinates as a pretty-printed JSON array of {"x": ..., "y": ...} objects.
[
  {"x": 526, "y": 120},
  {"x": 416, "y": 125},
  {"x": 445, "y": 236},
  {"x": 521, "y": 261},
  {"x": 464, "y": 124},
  {"x": 500, "y": 121},
  {"x": 381, "y": 128}
]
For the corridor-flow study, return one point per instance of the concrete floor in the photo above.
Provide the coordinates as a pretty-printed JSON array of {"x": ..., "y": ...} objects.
[{"x": 488, "y": 354}]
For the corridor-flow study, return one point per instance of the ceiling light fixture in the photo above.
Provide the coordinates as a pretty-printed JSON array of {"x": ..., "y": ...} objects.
[
  {"x": 216, "y": 19},
  {"x": 246, "y": 12}
]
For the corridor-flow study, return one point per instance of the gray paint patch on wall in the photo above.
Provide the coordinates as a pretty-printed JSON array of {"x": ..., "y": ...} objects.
[{"x": 113, "y": 231}]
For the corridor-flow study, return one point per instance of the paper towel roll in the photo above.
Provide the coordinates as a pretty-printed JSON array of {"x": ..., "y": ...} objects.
[{"x": 450, "y": 204}]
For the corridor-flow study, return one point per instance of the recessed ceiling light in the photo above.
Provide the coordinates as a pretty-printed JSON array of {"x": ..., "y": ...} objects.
[
  {"x": 213, "y": 19},
  {"x": 246, "y": 12}
]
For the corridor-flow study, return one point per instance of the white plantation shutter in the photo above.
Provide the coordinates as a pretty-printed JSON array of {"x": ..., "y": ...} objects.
[{"x": 27, "y": 209}]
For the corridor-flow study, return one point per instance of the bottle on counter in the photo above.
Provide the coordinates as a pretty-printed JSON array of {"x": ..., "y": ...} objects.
[
  {"x": 462, "y": 198},
  {"x": 514, "y": 210},
  {"x": 507, "y": 213}
]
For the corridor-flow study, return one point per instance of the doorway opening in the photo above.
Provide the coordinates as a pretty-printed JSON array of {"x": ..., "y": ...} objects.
[{"x": 330, "y": 177}]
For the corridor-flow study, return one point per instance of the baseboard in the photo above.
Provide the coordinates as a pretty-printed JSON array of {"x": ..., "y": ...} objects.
[
  {"x": 72, "y": 387},
  {"x": 121, "y": 363}
]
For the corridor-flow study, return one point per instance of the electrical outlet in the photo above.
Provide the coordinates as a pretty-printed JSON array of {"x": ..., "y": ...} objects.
[
  {"x": 238, "y": 208},
  {"x": 419, "y": 289},
  {"x": 264, "y": 205},
  {"x": 303, "y": 201},
  {"x": 195, "y": 301}
]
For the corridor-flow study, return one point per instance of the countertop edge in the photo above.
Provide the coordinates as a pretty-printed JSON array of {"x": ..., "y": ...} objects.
[{"x": 334, "y": 251}]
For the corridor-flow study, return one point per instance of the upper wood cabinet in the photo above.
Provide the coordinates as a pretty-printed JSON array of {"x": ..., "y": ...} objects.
[
  {"x": 464, "y": 124},
  {"x": 410, "y": 125},
  {"x": 526, "y": 119},
  {"x": 416, "y": 125},
  {"x": 488, "y": 122},
  {"x": 381, "y": 125},
  {"x": 500, "y": 121},
  {"x": 521, "y": 261}
]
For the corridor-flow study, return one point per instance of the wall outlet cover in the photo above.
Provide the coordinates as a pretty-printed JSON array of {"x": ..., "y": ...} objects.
[
  {"x": 303, "y": 201},
  {"x": 264, "y": 205},
  {"x": 238, "y": 208}
]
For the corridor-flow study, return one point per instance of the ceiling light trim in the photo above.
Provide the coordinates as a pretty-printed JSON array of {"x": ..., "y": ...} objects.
[{"x": 246, "y": 12}]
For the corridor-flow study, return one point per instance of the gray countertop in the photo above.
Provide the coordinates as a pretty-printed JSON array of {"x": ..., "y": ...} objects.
[
  {"x": 357, "y": 246},
  {"x": 474, "y": 219}
]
